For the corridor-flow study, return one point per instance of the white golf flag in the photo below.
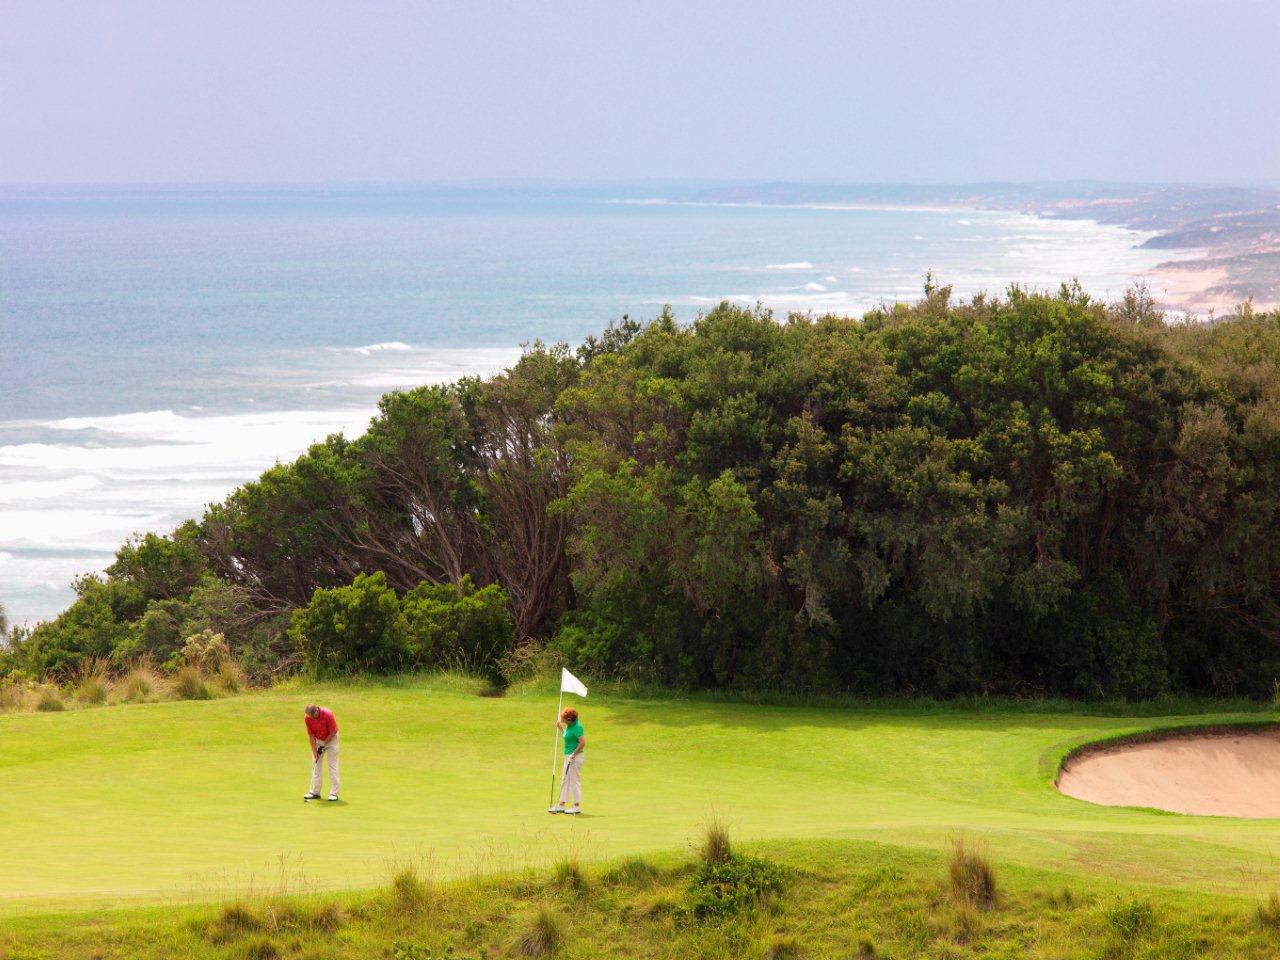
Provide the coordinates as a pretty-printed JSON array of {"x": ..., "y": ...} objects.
[{"x": 571, "y": 684}]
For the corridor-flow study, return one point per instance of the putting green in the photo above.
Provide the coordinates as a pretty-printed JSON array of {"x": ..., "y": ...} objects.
[{"x": 178, "y": 801}]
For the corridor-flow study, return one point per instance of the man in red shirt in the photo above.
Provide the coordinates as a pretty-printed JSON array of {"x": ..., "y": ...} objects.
[{"x": 322, "y": 730}]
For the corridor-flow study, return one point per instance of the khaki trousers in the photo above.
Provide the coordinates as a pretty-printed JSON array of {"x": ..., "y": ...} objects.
[
  {"x": 571, "y": 782},
  {"x": 329, "y": 756}
]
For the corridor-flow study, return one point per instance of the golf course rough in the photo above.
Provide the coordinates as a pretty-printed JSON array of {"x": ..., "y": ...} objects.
[{"x": 186, "y": 801}]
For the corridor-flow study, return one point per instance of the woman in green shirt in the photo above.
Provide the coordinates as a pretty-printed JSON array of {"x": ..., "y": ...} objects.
[{"x": 575, "y": 740}]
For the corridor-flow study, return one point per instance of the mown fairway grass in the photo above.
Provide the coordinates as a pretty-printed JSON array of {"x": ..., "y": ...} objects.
[{"x": 174, "y": 802}]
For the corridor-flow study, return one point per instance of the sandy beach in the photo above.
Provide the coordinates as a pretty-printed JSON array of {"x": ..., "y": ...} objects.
[{"x": 1193, "y": 289}]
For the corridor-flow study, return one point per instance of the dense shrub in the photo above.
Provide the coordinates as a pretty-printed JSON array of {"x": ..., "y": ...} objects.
[
  {"x": 158, "y": 633},
  {"x": 102, "y": 617},
  {"x": 1027, "y": 494},
  {"x": 457, "y": 626},
  {"x": 366, "y": 626},
  {"x": 351, "y": 628},
  {"x": 721, "y": 889}
]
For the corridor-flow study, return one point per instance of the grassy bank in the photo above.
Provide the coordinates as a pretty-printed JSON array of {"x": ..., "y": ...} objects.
[{"x": 845, "y": 899}]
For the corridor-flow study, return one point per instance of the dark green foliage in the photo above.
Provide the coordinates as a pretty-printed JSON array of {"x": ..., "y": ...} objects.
[
  {"x": 721, "y": 889},
  {"x": 158, "y": 633},
  {"x": 103, "y": 617},
  {"x": 1028, "y": 495},
  {"x": 365, "y": 626},
  {"x": 988, "y": 497},
  {"x": 352, "y": 628},
  {"x": 457, "y": 625},
  {"x": 161, "y": 568}
]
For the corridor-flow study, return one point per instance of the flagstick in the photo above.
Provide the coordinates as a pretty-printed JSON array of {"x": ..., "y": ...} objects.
[{"x": 555, "y": 739}]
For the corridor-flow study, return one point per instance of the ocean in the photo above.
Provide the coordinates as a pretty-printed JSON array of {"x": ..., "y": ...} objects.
[{"x": 160, "y": 346}]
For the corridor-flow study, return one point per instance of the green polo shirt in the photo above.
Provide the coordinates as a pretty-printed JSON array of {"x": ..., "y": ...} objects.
[{"x": 573, "y": 735}]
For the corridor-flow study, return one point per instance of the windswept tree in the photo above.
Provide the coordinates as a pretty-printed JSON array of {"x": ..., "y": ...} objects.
[{"x": 1028, "y": 493}]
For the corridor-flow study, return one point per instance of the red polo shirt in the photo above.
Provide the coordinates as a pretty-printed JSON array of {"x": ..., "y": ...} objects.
[{"x": 322, "y": 726}]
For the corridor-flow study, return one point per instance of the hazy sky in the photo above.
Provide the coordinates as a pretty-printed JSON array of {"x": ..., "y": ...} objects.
[{"x": 276, "y": 90}]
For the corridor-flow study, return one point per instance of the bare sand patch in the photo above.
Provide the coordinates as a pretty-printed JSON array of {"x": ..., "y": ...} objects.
[
  {"x": 1220, "y": 773},
  {"x": 1193, "y": 287}
]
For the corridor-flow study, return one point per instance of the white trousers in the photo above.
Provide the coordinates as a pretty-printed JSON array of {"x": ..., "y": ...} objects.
[
  {"x": 571, "y": 782},
  {"x": 329, "y": 756}
]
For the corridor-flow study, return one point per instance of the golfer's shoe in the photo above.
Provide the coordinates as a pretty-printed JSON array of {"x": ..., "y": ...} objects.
[
  {"x": 333, "y": 798},
  {"x": 312, "y": 796},
  {"x": 574, "y": 809},
  {"x": 558, "y": 808}
]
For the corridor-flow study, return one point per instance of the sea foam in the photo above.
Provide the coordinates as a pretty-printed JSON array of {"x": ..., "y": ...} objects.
[{"x": 75, "y": 488}]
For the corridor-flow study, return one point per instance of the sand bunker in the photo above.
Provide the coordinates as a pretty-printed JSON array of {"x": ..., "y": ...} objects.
[{"x": 1224, "y": 773}]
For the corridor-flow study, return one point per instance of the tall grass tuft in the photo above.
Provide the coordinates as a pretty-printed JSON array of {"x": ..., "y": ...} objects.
[
  {"x": 50, "y": 700},
  {"x": 1269, "y": 912},
  {"x": 781, "y": 947},
  {"x": 1131, "y": 920},
  {"x": 229, "y": 677},
  {"x": 716, "y": 848},
  {"x": 260, "y": 947},
  {"x": 14, "y": 696},
  {"x": 189, "y": 684},
  {"x": 661, "y": 903},
  {"x": 285, "y": 914},
  {"x": 138, "y": 685},
  {"x": 542, "y": 937},
  {"x": 409, "y": 894},
  {"x": 234, "y": 921},
  {"x": 972, "y": 877},
  {"x": 92, "y": 683},
  {"x": 632, "y": 872},
  {"x": 569, "y": 875},
  {"x": 326, "y": 916},
  {"x": 965, "y": 924}
]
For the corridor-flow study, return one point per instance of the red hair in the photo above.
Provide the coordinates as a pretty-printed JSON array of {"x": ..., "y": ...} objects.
[{"x": 569, "y": 714}]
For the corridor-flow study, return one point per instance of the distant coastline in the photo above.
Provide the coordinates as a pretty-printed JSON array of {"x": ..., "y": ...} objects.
[{"x": 1228, "y": 237}]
